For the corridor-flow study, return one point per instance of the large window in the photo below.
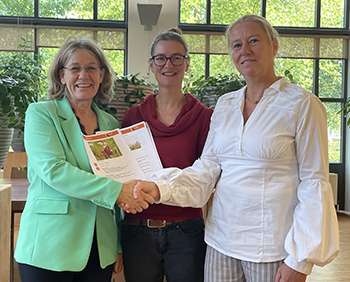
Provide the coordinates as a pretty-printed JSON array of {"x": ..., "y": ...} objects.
[
  {"x": 40, "y": 27},
  {"x": 313, "y": 48}
]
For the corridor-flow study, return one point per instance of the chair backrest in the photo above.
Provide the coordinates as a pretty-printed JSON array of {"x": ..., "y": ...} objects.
[{"x": 15, "y": 165}]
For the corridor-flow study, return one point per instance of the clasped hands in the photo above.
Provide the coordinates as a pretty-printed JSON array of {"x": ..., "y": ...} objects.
[{"x": 137, "y": 195}]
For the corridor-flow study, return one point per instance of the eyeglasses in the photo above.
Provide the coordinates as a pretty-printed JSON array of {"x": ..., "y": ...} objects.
[
  {"x": 78, "y": 69},
  {"x": 175, "y": 59}
]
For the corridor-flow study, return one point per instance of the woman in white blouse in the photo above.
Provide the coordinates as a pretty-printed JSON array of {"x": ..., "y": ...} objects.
[{"x": 266, "y": 155}]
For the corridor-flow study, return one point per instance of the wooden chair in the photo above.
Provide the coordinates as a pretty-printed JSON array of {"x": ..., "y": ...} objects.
[
  {"x": 15, "y": 165},
  {"x": 5, "y": 232}
]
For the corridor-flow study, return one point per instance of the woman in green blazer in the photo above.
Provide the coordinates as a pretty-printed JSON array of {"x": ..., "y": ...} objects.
[{"x": 68, "y": 230}]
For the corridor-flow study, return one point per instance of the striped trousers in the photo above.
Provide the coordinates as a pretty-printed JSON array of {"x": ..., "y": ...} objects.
[{"x": 221, "y": 268}]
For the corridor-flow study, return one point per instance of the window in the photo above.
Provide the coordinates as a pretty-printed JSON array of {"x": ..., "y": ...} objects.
[
  {"x": 317, "y": 63},
  {"x": 282, "y": 13}
]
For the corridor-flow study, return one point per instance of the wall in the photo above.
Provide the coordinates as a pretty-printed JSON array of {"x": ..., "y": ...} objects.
[{"x": 139, "y": 40}]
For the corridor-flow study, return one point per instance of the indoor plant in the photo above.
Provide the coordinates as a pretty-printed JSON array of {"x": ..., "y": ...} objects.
[
  {"x": 209, "y": 89},
  {"x": 27, "y": 72},
  {"x": 128, "y": 90}
]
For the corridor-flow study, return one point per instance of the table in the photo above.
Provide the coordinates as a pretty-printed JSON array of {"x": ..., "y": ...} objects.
[{"x": 19, "y": 187}]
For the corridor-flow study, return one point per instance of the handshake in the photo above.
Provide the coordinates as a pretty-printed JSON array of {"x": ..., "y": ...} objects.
[{"x": 137, "y": 195}]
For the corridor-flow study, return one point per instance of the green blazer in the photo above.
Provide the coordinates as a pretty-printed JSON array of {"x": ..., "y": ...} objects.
[{"x": 65, "y": 200}]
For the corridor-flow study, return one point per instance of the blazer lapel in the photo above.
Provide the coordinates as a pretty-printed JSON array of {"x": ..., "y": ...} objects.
[{"x": 72, "y": 132}]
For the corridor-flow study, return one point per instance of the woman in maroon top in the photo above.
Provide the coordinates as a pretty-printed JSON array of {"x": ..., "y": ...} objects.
[{"x": 167, "y": 240}]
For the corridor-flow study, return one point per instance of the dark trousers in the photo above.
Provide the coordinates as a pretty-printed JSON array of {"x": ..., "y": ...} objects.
[
  {"x": 91, "y": 273},
  {"x": 176, "y": 252}
]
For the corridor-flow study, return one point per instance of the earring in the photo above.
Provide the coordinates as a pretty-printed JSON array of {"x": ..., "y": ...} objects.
[{"x": 148, "y": 74}]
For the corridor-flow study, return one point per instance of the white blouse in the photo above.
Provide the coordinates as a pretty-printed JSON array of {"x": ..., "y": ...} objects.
[{"x": 272, "y": 197}]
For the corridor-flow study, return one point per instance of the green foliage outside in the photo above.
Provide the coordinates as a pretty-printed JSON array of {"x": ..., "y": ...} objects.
[
  {"x": 293, "y": 13},
  {"x": 45, "y": 58},
  {"x": 66, "y": 9},
  {"x": 193, "y": 11},
  {"x": 17, "y": 8},
  {"x": 116, "y": 59},
  {"x": 297, "y": 13},
  {"x": 332, "y": 13},
  {"x": 197, "y": 67},
  {"x": 221, "y": 64},
  {"x": 78, "y": 9},
  {"x": 111, "y": 10},
  {"x": 227, "y": 11}
]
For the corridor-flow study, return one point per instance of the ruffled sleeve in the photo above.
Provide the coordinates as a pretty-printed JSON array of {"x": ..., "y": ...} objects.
[{"x": 314, "y": 236}]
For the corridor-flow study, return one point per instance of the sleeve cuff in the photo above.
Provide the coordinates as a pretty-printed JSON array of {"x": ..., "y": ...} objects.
[
  {"x": 164, "y": 191},
  {"x": 302, "y": 266}
]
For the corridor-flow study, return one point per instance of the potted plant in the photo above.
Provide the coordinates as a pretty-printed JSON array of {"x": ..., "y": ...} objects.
[
  {"x": 128, "y": 90},
  {"x": 27, "y": 72},
  {"x": 209, "y": 89}
]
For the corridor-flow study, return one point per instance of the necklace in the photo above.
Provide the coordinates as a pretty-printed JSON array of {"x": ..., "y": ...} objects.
[{"x": 255, "y": 102}]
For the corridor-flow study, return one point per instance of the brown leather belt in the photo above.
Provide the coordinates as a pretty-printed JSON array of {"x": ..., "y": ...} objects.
[{"x": 151, "y": 223}]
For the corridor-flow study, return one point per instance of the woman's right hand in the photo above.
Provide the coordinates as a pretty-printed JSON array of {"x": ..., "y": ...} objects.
[
  {"x": 128, "y": 203},
  {"x": 146, "y": 189}
]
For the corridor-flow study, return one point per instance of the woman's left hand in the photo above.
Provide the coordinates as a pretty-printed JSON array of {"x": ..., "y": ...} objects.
[{"x": 287, "y": 274}]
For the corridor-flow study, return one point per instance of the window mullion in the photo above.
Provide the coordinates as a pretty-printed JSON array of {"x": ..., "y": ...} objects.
[
  {"x": 36, "y": 8},
  {"x": 208, "y": 11},
  {"x": 263, "y": 8}
]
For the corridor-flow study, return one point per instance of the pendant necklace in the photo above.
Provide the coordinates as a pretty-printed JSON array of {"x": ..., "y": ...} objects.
[{"x": 255, "y": 102}]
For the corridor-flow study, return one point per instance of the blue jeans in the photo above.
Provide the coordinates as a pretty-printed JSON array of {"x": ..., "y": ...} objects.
[{"x": 176, "y": 251}]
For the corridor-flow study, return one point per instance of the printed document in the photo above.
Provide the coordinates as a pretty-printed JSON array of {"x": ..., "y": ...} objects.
[{"x": 123, "y": 154}]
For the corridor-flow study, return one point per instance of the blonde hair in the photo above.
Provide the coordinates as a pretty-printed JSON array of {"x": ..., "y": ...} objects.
[
  {"x": 270, "y": 31},
  {"x": 173, "y": 34},
  {"x": 57, "y": 89}
]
